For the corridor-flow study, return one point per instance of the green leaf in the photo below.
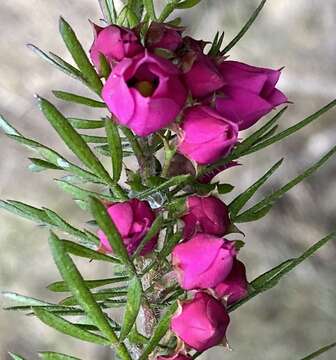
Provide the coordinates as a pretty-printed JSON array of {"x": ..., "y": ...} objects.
[
  {"x": 159, "y": 332},
  {"x": 317, "y": 353},
  {"x": 55, "y": 60},
  {"x": 254, "y": 137},
  {"x": 68, "y": 328},
  {"x": 104, "y": 66},
  {"x": 149, "y": 7},
  {"x": 79, "y": 55},
  {"x": 216, "y": 44},
  {"x": 187, "y": 4},
  {"x": 48, "y": 355},
  {"x": 82, "y": 194},
  {"x": 239, "y": 202},
  {"x": 78, "y": 99},
  {"x": 25, "y": 300},
  {"x": 224, "y": 188},
  {"x": 132, "y": 307},
  {"x": 169, "y": 245},
  {"x": 269, "y": 200},
  {"x": 86, "y": 124},
  {"x": 77, "y": 286},
  {"x": 115, "y": 148},
  {"x": 41, "y": 165},
  {"x": 56, "y": 309},
  {"x": 7, "y": 128},
  {"x": 15, "y": 356},
  {"x": 174, "y": 181},
  {"x": 85, "y": 252},
  {"x": 102, "y": 295},
  {"x": 245, "y": 28},
  {"x": 61, "y": 286},
  {"x": 90, "y": 139},
  {"x": 106, "y": 224},
  {"x": 291, "y": 130},
  {"x": 108, "y": 10},
  {"x": 153, "y": 231},
  {"x": 72, "y": 139},
  {"x": 271, "y": 278}
]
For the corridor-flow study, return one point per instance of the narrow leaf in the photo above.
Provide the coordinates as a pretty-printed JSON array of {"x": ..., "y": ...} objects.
[
  {"x": 270, "y": 199},
  {"x": 149, "y": 7},
  {"x": 159, "y": 332},
  {"x": 78, "y": 99},
  {"x": 86, "y": 124},
  {"x": 317, "y": 353},
  {"x": 238, "y": 203},
  {"x": 132, "y": 307},
  {"x": 245, "y": 28},
  {"x": 271, "y": 278},
  {"x": 85, "y": 252},
  {"x": 105, "y": 223},
  {"x": 291, "y": 130},
  {"x": 68, "y": 328},
  {"x": 15, "y": 356},
  {"x": 61, "y": 286},
  {"x": 72, "y": 139},
  {"x": 187, "y": 4},
  {"x": 169, "y": 245},
  {"x": 79, "y": 55},
  {"x": 77, "y": 286},
  {"x": 25, "y": 300},
  {"x": 115, "y": 148},
  {"x": 98, "y": 296},
  {"x": 224, "y": 188},
  {"x": 47, "y": 355},
  {"x": 41, "y": 165}
]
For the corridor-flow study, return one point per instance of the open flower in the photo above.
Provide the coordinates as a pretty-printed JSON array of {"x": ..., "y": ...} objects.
[
  {"x": 163, "y": 36},
  {"x": 201, "y": 323},
  {"x": 133, "y": 219},
  {"x": 205, "y": 135},
  {"x": 248, "y": 94},
  {"x": 115, "y": 43},
  {"x": 145, "y": 93},
  {"x": 234, "y": 287},
  {"x": 203, "y": 261},
  {"x": 205, "y": 215}
]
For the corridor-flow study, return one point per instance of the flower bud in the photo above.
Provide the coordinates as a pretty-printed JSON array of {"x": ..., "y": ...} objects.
[
  {"x": 201, "y": 323},
  {"x": 132, "y": 219},
  {"x": 234, "y": 287},
  {"x": 163, "y": 36},
  {"x": 144, "y": 93},
  {"x": 248, "y": 94},
  {"x": 203, "y": 261},
  {"x": 206, "y": 136},
  {"x": 115, "y": 43},
  {"x": 205, "y": 215}
]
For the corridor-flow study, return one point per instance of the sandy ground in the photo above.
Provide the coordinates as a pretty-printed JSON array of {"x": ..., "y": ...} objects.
[{"x": 285, "y": 323}]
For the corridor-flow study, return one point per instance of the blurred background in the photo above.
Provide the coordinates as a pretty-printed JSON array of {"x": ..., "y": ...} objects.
[{"x": 288, "y": 322}]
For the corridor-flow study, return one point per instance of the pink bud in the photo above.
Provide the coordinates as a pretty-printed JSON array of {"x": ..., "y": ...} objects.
[
  {"x": 248, "y": 94},
  {"x": 234, "y": 287},
  {"x": 206, "y": 136},
  {"x": 115, "y": 43},
  {"x": 205, "y": 215},
  {"x": 174, "y": 357},
  {"x": 132, "y": 219},
  {"x": 163, "y": 36},
  {"x": 201, "y": 323},
  {"x": 145, "y": 93},
  {"x": 203, "y": 261}
]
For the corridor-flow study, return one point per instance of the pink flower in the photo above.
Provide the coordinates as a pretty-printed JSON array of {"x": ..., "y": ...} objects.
[
  {"x": 205, "y": 215},
  {"x": 234, "y": 287},
  {"x": 174, "y": 357},
  {"x": 201, "y": 323},
  {"x": 203, "y": 261},
  {"x": 204, "y": 76},
  {"x": 115, "y": 43},
  {"x": 248, "y": 94},
  {"x": 206, "y": 135},
  {"x": 145, "y": 93},
  {"x": 133, "y": 219},
  {"x": 163, "y": 36}
]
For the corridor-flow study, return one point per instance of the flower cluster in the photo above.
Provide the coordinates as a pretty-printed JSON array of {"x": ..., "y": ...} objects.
[{"x": 168, "y": 80}]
